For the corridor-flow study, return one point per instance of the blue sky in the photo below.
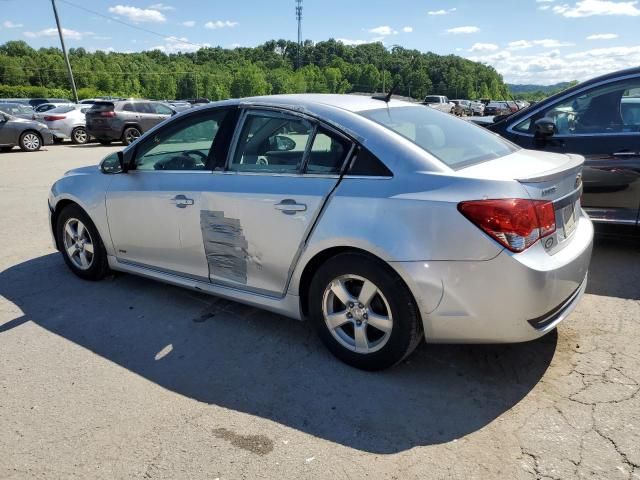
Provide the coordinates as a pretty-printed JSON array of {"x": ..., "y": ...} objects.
[{"x": 527, "y": 41}]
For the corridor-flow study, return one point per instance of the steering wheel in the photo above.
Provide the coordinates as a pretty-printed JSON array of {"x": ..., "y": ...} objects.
[
  {"x": 197, "y": 153},
  {"x": 183, "y": 161}
]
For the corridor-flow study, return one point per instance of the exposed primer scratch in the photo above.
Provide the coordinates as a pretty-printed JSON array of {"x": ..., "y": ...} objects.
[{"x": 224, "y": 245}]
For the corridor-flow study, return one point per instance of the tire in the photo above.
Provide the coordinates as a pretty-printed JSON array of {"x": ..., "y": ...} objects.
[
  {"x": 105, "y": 142},
  {"x": 95, "y": 265},
  {"x": 392, "y": 307},
  {"x": 30, "y": 141},
  {"x": 130, "y": 135},
  {"x": 79, "y": 136}
]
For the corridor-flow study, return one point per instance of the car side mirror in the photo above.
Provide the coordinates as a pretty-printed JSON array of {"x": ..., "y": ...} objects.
[
  {"x": 280, "y": 143},
  {"x": 113, "y": 164},
  {"x": 545, "y": 127}
]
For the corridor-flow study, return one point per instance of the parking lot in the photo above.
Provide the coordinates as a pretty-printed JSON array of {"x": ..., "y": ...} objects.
[{"x": 129, "y": 378}]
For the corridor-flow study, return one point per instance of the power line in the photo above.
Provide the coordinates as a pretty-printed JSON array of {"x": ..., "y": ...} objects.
[{"x": 136, "y": 27}]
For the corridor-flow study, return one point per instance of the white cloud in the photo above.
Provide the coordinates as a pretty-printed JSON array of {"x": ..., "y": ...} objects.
[
  {"x": 407, "y": 29},
  {"x": 10, "y": 24},
  {"x": 441, "y": 11},
  {"x": 189, "y": 23},
  {"x": 602, "y": 36},
  {"x": 138, "y": 15},
  {"x": 484, "y": 47},
  {"x": 53, "y": 32},
  {"x": 179, "y": 44},
  {"x": 463, "y": 30},
  {"x": 551, "y": 66},
  {"x": 588, "y": 8},
  {"x": 545, "y": 1},
  {"x": 382, "y": 30},
  {"x": 161, "y": 7},
  {"x": 220, "y": 24},
  {"x": 544, "y": 43},
  {"x": 349, "y": 41}
]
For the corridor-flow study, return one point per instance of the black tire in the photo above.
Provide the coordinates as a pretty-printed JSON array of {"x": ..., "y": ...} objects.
[
  {"x": 30, "y": 141},
  {"x": 105, "y": 142},
  {"x": 406, "y": 332},
  {"x": 5, "y": 149},
  {"x": 130, "y": 135},
  {"x": 79, "y": 136},
  {"x": 99, "y": 266}
]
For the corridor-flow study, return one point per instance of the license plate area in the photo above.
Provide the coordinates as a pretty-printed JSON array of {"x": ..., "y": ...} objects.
[{"x": 567, "y": 216}]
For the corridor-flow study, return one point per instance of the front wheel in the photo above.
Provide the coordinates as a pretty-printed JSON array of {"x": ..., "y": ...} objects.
[
  {"x": 80, "y": 244},
  {"x": 30, "y": 141},
  {"x": 130, "y": 135},
  {"x": 79, "y": 136},
  {"x": 363, "y": 312}
]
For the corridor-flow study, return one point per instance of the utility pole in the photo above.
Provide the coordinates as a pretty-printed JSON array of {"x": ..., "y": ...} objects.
[
  {"x": 64, "y": 52},
  {"x": 299, "y": 18}
]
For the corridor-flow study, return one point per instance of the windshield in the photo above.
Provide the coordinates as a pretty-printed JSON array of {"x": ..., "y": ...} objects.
[{"x": 455, "y": 142}]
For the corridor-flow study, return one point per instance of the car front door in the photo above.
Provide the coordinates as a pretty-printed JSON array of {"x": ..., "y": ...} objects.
[
  {"x": 603, "y": 124},
  {"x": 258, "y": 212},
  {"x": 149, "y": 206}
]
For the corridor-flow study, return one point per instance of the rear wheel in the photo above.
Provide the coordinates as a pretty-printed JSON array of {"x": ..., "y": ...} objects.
[
  {"x": 363, "y": 312},
  {"x": 130, "y": 135},
  {"x": 80, "y": 244},
  {"x": 79, "y": 136},
  {"x": 30, "y": 141}
]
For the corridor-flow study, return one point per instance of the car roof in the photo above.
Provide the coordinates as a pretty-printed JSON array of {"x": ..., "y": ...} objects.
[{"x": 311, "y": 101}]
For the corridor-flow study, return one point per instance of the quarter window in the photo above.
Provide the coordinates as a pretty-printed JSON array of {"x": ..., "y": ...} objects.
[
  {"x": 271, "y": 143},
  {"x": 186, "y": 145}
]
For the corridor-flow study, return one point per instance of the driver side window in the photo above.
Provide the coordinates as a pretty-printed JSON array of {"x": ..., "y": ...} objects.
[{"x": 184, "y": 145}]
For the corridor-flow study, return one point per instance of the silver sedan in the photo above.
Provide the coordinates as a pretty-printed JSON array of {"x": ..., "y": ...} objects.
[{"x": 383, "y": 222}]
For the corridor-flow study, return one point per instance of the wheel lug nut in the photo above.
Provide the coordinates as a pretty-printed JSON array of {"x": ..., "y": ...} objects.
[
  {"x": 349, "y": 315},
  {"x": 365, "y": 316},
  {"x": 350, "y": 305},
  {"x": 360, "y": 305}
]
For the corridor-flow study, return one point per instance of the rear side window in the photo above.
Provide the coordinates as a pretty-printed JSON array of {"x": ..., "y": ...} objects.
[
  {"x": 367, "y": 164},
  {"x": 456, "y": 143},
  {"x": 128, "y": 107},
  {"x": 328, "y": 152},
  {"x": 143, "y": 107},
  {"x": 62, "y": 109}
]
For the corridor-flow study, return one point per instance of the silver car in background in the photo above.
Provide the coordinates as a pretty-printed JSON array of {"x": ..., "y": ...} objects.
[
  {"x": 383, "y": 222},
  {"x": 68, "y": 122}
]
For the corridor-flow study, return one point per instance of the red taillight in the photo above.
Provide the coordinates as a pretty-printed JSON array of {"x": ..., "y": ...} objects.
[
  {"x": 516, "y": 223},
  {"x": 51, "y": 118},
  {"x": 108, "y": 114}
]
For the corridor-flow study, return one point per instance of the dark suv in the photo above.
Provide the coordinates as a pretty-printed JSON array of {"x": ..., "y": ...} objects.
[{"x": 124, "y": 120}]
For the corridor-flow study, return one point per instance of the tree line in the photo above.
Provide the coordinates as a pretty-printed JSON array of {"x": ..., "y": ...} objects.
[{"x": 271, "y": 68}]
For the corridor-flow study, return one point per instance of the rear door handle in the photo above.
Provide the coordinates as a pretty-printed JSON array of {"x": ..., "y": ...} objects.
[
  {"x": 181, "y": 201},
  {"x": 290, "y": 206}
]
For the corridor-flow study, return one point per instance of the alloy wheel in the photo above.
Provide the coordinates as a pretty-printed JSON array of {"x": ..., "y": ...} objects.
[
  {"x": 357, "y": 314},
  {"x": 80, "y": 135},
  {"x": 31, "y": 141},
  {"x": 78, "y": 244},
  {"x": 131, "y": 135}
]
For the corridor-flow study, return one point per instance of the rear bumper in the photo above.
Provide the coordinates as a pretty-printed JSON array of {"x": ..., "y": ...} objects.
[{"x": 511, "y": 298}]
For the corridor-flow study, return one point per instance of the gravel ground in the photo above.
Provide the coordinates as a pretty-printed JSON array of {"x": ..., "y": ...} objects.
[{"x": 128, "y": 378}]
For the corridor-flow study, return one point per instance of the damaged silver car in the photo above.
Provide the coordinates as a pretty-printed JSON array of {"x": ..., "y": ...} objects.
[{"x": 381, "y": 221}]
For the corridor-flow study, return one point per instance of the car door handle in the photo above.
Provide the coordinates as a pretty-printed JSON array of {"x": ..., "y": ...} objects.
[
  {"x": 181, "y": 201},
  {"x": 290, "y": 206}
]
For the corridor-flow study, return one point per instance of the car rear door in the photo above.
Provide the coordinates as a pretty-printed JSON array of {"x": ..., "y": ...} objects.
[
  {"x": 258, "y": 212},
  {"x": 146, "y": 115},
  {"x": 603, "y": 124}
]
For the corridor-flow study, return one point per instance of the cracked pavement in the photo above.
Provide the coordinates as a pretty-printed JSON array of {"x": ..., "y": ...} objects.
[{"x": 128, "y": 378}]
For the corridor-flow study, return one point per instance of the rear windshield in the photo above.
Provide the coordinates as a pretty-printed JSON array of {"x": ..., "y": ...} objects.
[
  {"x": 432, "y": 100},
  {"x": 102, "y": 107},
  {"x": 65, "y": 109},
  {"x": 457, "y": 143}
]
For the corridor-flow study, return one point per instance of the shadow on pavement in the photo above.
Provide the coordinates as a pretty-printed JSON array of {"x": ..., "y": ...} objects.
[
  {"x": 247, "y": 360},
  {"x": 615, "y": 267}
]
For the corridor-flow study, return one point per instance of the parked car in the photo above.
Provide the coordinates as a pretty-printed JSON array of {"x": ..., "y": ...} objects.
[
  {"x": 68, "y": 122},
  {"x": 36, "y": 102},
  {"x": 29, "y": 135},
  {"x": 41, "y": 110},
  {"x": 477, "y": 108},
  {"x": 599, "y": 119},
  {"x": 439, "y": 102},
  {"x": 497, "y": 108},
  {"x": 17, "y": 110},
  {"x": 381, "y": 221},
  {"x": 124, "y": 120},
  {"x": 462, "y": 107}
]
